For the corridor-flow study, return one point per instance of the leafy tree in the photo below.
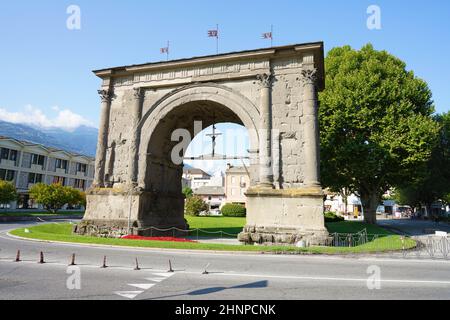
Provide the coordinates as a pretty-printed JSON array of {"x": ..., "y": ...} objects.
[
  {"x": 432, "y": 183},
  {"x": 187, "y": 192},
  {"x": 375, "y": 124},
  {"x": 54, "y": 196},
  {"x": 8, "y": 192},
  {"x": 195, "y": 205},
  {"x": 75, "y": 197}
]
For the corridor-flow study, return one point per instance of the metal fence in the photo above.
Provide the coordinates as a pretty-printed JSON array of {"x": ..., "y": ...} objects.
[
  {"x": 425, "y": 247},
  {"x": 193, "y": 233}
]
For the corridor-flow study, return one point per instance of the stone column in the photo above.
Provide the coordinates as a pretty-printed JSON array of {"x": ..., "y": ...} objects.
[
  {"x": 310, "y": 128},
  {"x": 265, "y": 126},
  {"x": 136, "y": 113},
  {"x": 102, "y": 143}
]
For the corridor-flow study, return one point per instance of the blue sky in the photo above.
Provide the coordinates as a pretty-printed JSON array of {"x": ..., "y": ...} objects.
[{"x": 46, "y": 68}]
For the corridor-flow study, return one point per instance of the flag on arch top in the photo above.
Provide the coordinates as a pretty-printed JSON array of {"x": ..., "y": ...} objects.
[
  {"x": 213, "y": 33},
  {"x": 267, "y": 35}
]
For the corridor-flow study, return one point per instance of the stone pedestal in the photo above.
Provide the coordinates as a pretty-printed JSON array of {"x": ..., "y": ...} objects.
[
  {"x": 285, "y": 217},
  {"x": 113, "y": 212}
]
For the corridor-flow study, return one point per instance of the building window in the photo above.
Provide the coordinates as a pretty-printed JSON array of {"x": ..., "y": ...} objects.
[
  {"x": 81, "y": 167},
  {"x": 59, "y": 180},
  {"x": 8, "y": 154},
  {"x": 61, "y": 164},
  {"x": 34, "y": 178},
  {"x": 37, "y": 159},
  {"x": 79, "y": 183},
  {"x": 233, "y": 180},
  {"x": 7, "y": 175}
]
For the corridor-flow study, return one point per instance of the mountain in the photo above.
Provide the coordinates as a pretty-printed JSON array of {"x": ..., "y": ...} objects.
[{"x": 82, "y": 140}]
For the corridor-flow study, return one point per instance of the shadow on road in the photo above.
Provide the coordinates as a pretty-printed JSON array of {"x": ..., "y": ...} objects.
[{"x": 205, "y": 291}]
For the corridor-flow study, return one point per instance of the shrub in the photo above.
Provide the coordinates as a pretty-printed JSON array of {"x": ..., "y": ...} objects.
[
  {"x": 233, "y": 210},
  {"x": 332, "y": 217},
  {"x": 53, "y": 197},
  {"x": 195, "y": 205},
  {"x": 188, "y": 192},
  {"x": 7, "y": 192}
]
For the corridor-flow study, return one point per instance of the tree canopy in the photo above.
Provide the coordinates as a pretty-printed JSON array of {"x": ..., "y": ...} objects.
[
  {"x": 376, "y": 124},
  {"x": 433, "y": 183},
  {"x": 8, "y": 192},
  {"x": 54, "y": 196}
]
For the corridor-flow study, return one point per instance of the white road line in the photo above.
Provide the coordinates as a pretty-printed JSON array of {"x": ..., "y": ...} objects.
[
  {"x": 333, "y": 278},
  {"x": 128, "y": 294},
  {"x": 144, "y": 286},
  {"x": 155, "y": 279},
  {"x": 164, "y": 275}
]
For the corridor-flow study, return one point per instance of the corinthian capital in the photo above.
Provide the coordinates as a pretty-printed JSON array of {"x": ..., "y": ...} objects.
[
  {"x": 138, "y": 93},
  {"x": 265, "y": 80},
  {"x": 105, "y": 95},
  {"x": 309, "y": 76}
]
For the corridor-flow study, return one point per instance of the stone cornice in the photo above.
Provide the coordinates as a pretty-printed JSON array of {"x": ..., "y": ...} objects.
[
  {"x": 234, "y": 65},
  {"x": 226, "y": 57}
]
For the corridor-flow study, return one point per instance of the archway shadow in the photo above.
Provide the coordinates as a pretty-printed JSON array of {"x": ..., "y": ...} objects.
[{"x": 205, "y": 291}]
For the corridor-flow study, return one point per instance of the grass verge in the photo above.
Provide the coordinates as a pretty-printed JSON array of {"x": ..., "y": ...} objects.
[
  {"x": 39, "y": 214},
  {"x": 63, "y": 232}
]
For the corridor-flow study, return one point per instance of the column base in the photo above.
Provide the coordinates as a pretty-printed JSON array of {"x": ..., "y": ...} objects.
[
  {"x": 285, "y": 217},
  {"x": 114, "y": 212}
]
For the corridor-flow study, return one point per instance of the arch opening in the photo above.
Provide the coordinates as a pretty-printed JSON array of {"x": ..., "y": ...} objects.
[{"x": 163, "y": 201}]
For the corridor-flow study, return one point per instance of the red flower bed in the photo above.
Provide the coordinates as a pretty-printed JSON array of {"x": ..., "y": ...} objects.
[{"x": 171, "y": 239}]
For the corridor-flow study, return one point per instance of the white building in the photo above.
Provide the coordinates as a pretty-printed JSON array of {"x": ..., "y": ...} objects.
[
  {"x": 25, "y": 164},
  {"x": 197, "y": 178},
  {"x": 237, "y": 181},
  {"x": 213, "y": 196}
]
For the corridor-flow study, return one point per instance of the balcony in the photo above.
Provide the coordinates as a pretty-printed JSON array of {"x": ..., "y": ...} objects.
[
  {"x": 60, "y": 171},
  {"x": 37, "y": 167},
  {"x": 8, "y": 163}
]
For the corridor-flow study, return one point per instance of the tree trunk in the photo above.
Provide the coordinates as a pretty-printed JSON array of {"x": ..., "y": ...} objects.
[{"x": 370, "y": 202}]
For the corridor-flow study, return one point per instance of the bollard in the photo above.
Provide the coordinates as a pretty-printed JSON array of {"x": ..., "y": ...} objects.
[
  {"x": 72, "y": 262},
  {"x": 18, "y": 256},
  {"x": 170, "y": 267},
  {"x": 104, "y": 263},
  {"x": 137, "y": 266},
  {"x": 41, "y": 258},
  {"x": 206, "y": 271}
]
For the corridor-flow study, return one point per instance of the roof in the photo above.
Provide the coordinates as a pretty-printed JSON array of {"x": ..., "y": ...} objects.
[
  {"x": 195, "y": 171},
  {"x": 210, "y": 191},
  {"x": 270, "y": 52},
  {"x": 25, "y": 143},
  {"x": 236, "y": 170}
]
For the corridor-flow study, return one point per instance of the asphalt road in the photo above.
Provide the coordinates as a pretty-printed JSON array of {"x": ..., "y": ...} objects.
[
  {"x": 231, "y": 276},
  {"x": 414, "y": 227}
]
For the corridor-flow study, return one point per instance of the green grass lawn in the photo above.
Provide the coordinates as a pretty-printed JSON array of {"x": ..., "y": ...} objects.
[
  {"x": 63, "y": 232},
  {"x": 39, "y": 213},
  {"x": 229, "y": 225}
]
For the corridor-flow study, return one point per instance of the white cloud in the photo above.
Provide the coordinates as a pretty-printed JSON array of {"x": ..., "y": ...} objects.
[{"x": 63, "y": 118}]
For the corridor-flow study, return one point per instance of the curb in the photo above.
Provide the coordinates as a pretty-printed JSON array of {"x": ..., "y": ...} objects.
[
  {"x": 94, "y": 245},
  {"x": 8, "y": 219}
]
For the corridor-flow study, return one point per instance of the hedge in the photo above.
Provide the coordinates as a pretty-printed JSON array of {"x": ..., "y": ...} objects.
[
  {"x": 233, "y": 210},
  {"x": 332, "y": 217}
]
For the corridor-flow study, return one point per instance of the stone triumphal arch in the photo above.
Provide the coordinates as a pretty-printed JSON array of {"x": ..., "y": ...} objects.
[{"x": 272, "y": 92}]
